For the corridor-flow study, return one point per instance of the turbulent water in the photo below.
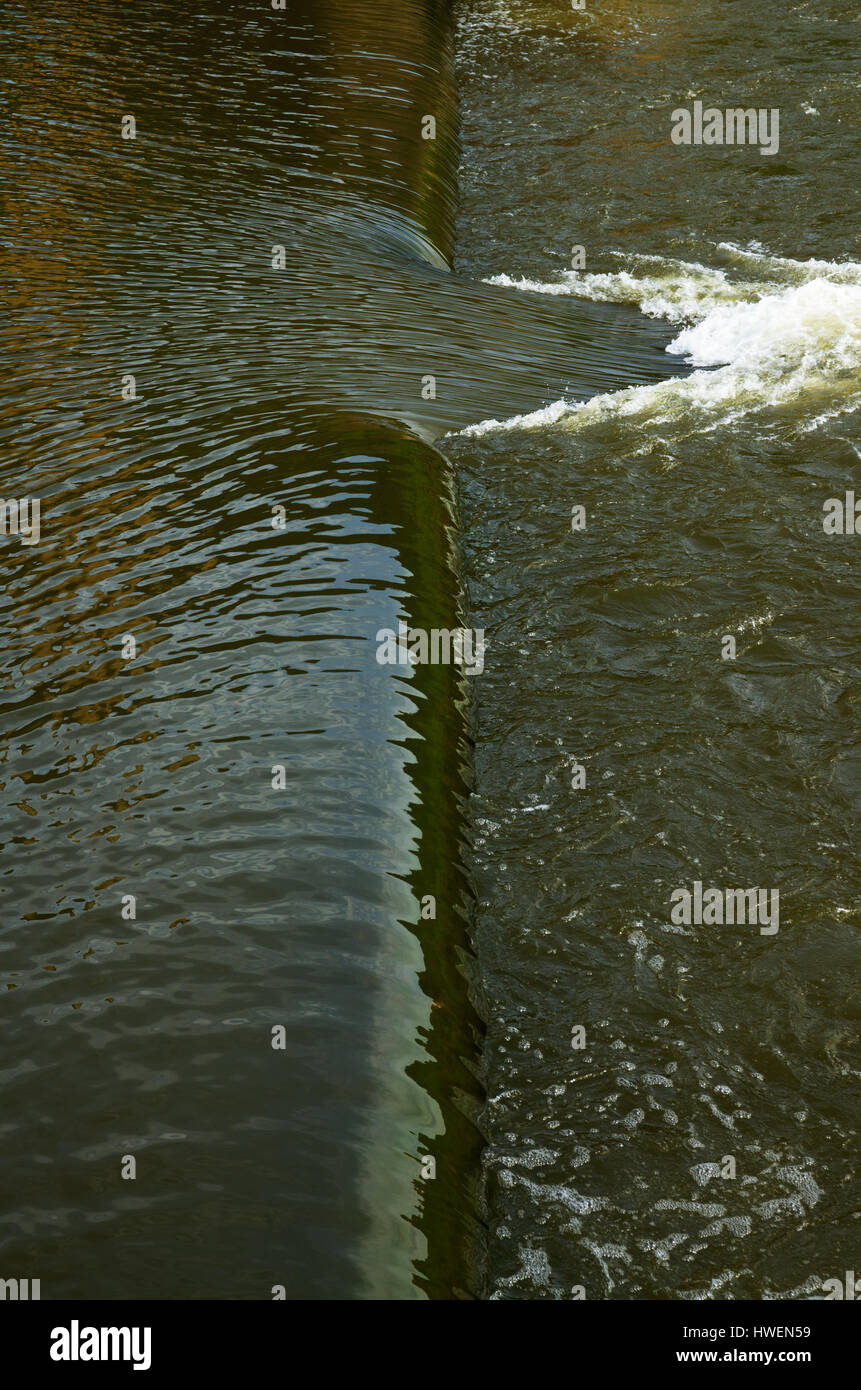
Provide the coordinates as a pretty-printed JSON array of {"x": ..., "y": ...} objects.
[
  {"x": 607, "y": 1163},
  {"x": 217, "y": 836}
]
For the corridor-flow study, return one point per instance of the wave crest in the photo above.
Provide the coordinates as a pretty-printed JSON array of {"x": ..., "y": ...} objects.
[{"x": 774, "y": 331}]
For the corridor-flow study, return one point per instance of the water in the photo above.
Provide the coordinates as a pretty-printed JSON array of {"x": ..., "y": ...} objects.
[
  {"x": 704, "y": 501},
  {"x": 297, "y": 135},
  {"x": 145, "y": 1030}
]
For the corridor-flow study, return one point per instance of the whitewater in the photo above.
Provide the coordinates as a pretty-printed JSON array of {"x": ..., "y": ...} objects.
[{"x": 763, "y": 332}]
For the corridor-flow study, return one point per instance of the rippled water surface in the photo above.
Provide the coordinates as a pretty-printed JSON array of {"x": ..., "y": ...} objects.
[
  {"x": 226, "y": 829},
  {"x": 703, "y": 500},
  {"x": 220, "y": 814}
]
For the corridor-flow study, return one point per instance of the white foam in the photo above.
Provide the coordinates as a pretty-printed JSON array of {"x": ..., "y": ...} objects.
[
  {"x": 788, "y": 334},
  {"x": 671, "y": 290}
]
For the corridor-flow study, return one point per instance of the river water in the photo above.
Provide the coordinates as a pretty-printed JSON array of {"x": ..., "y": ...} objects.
[
  {"x": 606, "y": 1163},
  {"x": 217, "y": 836}
]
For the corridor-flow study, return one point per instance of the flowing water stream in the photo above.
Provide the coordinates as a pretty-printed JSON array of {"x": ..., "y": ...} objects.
[
  {"x": 607, "y": 1163},
  {"x": 217, "y": 838}
]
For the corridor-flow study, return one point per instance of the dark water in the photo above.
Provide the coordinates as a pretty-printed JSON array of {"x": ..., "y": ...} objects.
[
  {"x": 256, "y": 908},
  {"x": 297, "y": 907},
  {"x": 704, "y": 512},
  {"x": 269, "y": 259}
]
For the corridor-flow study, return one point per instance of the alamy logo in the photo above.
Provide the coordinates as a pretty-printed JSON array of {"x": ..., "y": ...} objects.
[
  {"x": 735, "y": 126},
  {"x": 842, "y": 516},
  {"x": 461, "y": 646},
  {"x": 717, "y": 906},
  {"x": 23, "y": 1289},
  {"x": 835, "y": 1287},
  {"x": 21, "y": 518},
  {"x": 78, "y": 1343}
]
